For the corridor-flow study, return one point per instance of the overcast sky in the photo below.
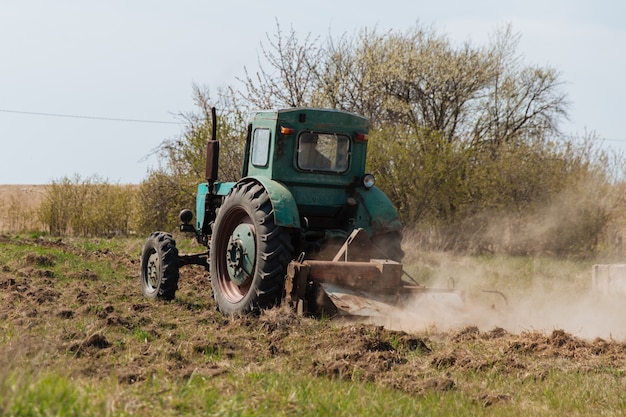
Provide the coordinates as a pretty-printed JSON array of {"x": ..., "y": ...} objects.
[{"x": 138, "y": 60}]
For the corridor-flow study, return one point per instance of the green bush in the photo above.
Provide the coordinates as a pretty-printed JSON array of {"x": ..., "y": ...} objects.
[
  {"x": 528, "y": 198},
  {"x": 160, "y": 199},
  {"x": 87, "y": 207},
  {"x": 423, "y": 174}
]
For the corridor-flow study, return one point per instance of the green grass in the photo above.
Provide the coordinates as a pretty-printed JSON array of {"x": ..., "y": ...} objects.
[
  {"x": 284, "y": 394},
  {"x": 45, "y": 395}
]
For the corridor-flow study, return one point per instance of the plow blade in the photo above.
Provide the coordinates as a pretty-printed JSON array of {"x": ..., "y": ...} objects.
[
  {"x": 357, "y": 303},
  {"x": 409, "y": 301},
  {"x": 372, "y": 289}
]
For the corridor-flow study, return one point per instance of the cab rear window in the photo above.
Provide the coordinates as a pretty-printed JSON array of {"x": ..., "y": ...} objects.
[{"x": 326, "y": 152}]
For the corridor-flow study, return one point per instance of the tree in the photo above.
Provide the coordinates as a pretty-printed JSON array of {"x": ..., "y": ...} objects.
[
  {"x": 427, "y": 83},
  {"x": 522, "y": 104},
  {"x": 290, "y": 79}
]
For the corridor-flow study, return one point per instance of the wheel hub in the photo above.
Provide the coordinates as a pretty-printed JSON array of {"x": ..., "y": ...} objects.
[
  {"x": 240, "y": 254},
  {"x": 153, "y": 270}
]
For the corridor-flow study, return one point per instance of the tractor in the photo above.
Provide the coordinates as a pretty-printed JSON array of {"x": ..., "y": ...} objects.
[{"x": 305, "y": 224}]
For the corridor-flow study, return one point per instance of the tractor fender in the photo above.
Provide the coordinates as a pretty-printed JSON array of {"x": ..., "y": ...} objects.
[
  {"x": 376, "y": 206},
  {"x": 286, "y": 212}
]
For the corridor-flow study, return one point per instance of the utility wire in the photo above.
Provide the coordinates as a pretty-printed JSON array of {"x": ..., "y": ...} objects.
[
  {"x": 117, "y": 119},
  {"x": 74, "y": 116}
]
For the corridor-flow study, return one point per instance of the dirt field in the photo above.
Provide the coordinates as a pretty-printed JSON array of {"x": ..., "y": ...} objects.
[{"x": 74, "y": 307}]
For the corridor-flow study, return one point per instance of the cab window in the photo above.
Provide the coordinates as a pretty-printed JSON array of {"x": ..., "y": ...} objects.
[
  {"x": 260, "y": 147},
  {"x": 327, "y": 152}
]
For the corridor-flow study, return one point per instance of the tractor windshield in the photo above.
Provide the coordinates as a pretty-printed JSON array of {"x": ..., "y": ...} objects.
[{"x": 327, "y": 152}]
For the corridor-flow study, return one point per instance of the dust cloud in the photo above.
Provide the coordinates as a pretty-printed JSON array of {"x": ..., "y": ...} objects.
[
  {"x": 538, "y": 290},
  {"x": 575, "y": 308}
]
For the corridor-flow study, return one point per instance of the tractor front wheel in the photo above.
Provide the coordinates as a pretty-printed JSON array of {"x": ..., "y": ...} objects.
[
  {"x": 159, "y": 267},
  {"x": 249, "y": 253}
]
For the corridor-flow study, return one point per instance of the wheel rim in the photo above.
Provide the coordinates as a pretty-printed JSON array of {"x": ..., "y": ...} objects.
[
  {"x": 240, "y": 254},
  {"x": 151, "y": 281},
  {"x": 236, "y": 248}
]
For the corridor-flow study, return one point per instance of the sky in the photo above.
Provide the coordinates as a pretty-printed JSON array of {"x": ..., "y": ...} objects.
[{"x": 90, "y": 88}]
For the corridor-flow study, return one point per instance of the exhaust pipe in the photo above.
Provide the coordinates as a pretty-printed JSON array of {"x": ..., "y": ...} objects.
[{"x": 212, "y": 152}]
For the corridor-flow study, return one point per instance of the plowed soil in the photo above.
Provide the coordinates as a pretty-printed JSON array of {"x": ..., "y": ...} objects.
[{"x": 96, "y": 327}]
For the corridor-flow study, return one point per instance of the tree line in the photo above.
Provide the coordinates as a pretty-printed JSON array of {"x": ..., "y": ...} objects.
[{"x": 464, "y": 139}]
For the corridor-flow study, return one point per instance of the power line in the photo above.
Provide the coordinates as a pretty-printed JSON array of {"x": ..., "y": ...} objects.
[
  {"x": 75, "y": 116},
  {"x": 613, "y": 140},
  {"x": 118, "y": 119}
]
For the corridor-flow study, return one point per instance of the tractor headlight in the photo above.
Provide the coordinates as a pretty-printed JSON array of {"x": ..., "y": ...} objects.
[{"x": 368, "y": 181}]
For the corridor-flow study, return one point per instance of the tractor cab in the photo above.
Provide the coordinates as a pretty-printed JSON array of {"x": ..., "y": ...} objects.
[
  {"x": 318, "y": 155},
  {"x": 306, "y": 146}
]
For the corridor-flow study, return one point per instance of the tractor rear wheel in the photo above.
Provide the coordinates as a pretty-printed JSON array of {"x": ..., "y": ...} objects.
[
  {"x": 159, "y": 267},
  {"x": 249, "y": 253}
]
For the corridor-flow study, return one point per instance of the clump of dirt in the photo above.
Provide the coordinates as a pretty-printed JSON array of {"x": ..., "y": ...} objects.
[
  {"x": 370, "y": 353},
  {"x": 35, "y": 272},
  {"x": 83, "y": 274},
  {"x": 90, "y": 344},
  {"x": 65, "y": 314},
  {"x": 562, "y": 344},
  {"x": 43, "y": 295},
  {"x": 282, "y": 319},
  {"x": 7, "y": 283},
  {"x": 489, "y": 399},
  {"x": 466, "y": 334},
  {"x": 35, "y": 259}
]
